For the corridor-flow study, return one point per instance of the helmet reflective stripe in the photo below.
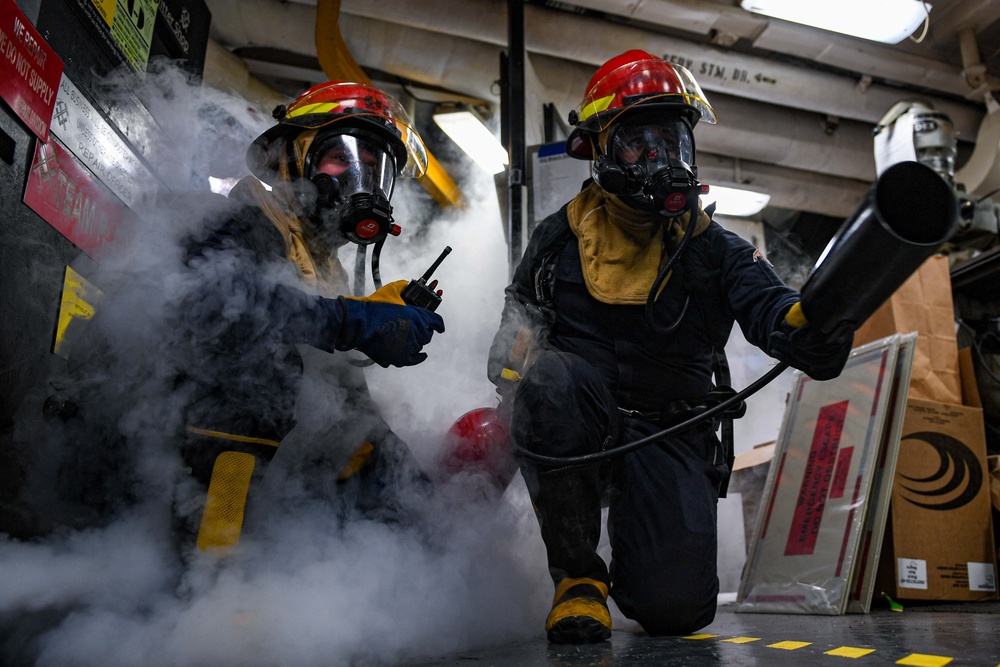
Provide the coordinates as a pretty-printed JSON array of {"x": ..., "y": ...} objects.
[
  {"x": 596, "y": 106},
  {"x": 322, "y": 107}
]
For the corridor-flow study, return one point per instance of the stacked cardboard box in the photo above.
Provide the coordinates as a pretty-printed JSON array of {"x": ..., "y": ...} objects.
[{"x": 939, "y": 542}]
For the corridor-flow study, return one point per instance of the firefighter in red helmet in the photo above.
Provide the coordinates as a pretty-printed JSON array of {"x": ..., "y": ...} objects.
[
  {"x": 338, "y": 147},
  {"x": 613, "y": 329},
  {"x": 322, "y": 177},
  {"x": 262, "y": 345}
]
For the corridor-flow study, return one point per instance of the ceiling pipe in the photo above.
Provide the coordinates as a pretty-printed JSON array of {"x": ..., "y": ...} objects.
[
  {"x": 546, "y": 30},
  {"x": 981, "y": 173},
  {"x": 335, "y": 58},
  {"x": 847, "y": 53},
  {"x": 754, "y": 132},
  {"x": 973, "y": 69},
  {"x": 742, "y": 75},
  {"x": 750, "y": 130},
  {"x": 228, "y": 73},
  {"x": 291, "y": 26}
]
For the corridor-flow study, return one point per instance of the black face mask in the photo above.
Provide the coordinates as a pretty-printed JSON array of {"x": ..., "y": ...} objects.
[
  {"x": 347, "y": 194},
  {"x": 360, "y": 218},
  {"x": 649, "y": 165}
]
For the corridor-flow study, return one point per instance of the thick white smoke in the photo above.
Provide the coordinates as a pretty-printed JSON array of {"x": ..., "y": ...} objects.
[{"x": 302, "y": 588}]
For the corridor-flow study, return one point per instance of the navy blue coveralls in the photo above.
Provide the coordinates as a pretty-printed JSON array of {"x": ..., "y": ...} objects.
[
  {"x": 605, "y": 378},
  {"x": 248, "y": 370},
  {"x": 228, "y": 352}
]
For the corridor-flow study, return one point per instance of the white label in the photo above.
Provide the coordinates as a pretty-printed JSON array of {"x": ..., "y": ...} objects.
[
  {"x": 982, "y": 577},
  {"x": 84, "y": 132},
  {"x": 912, "y": 573}
]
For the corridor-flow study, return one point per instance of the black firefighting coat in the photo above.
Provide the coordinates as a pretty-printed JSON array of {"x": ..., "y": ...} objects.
[{"x": 721, "y": 278}]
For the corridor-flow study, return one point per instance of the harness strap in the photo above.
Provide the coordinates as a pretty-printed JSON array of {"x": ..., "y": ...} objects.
[
  {"x": 670, "y": 412},
  {"x": 720, "y": 369}
]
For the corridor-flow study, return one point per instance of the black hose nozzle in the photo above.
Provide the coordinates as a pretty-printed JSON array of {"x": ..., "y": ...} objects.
[{"x": 908, "y": 213}]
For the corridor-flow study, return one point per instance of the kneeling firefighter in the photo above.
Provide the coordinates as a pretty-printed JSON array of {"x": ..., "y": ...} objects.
[
  {"x": 269, "y": 295},
  {"x": 612, "y": 330}
]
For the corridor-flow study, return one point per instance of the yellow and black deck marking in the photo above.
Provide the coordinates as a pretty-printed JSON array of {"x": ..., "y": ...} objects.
[
  {"x": 912, "y": 660},
  {"x": 789, "y": 645},
  {"x": 850, "y": 652},
  {"x": 922, "y": 660}
]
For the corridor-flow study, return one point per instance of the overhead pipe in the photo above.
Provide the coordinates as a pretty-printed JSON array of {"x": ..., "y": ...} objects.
[
  {"x": 973, "y": 69},
  {"x": 717, "y": 70},
  {"x": 228, "y": 73},
  {"x": 791, "y": 189},
  {"x": 787, "y": 137},
  {"x": 791, "y": 39},
  {"x": 792, "y": 140},
  {"x": 749, "y": 130},
  {"x": 812, "y": 90}
]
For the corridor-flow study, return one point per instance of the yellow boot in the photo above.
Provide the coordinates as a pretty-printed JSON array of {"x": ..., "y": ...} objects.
[{"x": 579, "y": 612}]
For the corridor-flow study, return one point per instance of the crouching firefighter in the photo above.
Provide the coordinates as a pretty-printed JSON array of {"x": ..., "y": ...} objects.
[
  {"x": 612, "y": 329},
  {"x": 269, "y": 295}
]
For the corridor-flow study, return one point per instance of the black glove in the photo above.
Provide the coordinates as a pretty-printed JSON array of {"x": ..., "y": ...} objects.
[
  {"x": 390, "y": 334},
  {"x": 821, "y": 356}
]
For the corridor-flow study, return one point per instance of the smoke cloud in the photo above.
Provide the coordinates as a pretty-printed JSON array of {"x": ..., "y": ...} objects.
[{"x": 305, "y": 586}]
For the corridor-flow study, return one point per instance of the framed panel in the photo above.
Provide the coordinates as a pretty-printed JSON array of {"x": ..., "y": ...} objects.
[
  {"x": 863, "y": 586},
  {"x": 806, "y": 540}
]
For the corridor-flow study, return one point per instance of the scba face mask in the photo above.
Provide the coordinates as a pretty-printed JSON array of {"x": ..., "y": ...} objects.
[
  {"x": 649, "y": 164},
  {"x": 351, "y": 178}
]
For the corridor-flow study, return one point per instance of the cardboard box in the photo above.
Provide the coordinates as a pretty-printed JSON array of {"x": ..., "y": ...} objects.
[
  {"x": 939, "y": 538},
  {"x": 923, "y": 304},
  {"x": 994, "y": 465}
]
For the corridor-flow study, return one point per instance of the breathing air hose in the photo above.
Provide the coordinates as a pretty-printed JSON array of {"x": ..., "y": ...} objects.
[
  {"x": 708, "y": 413},
  {"x": 662, "y": 275},
  {"x": 359, "y": 282}
]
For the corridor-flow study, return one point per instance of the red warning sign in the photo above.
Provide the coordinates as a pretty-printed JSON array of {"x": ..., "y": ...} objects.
[
  {"x": 65, "y": 194},
  {"x": 816, "y": 480},
  {"x": 29, "y": 70}
]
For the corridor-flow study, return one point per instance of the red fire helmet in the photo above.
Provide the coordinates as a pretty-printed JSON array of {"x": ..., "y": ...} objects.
[
  {"x": 479, "y": 442},
  {"x": 630, "y": 80},
  {"x": 342, "y": 105}
]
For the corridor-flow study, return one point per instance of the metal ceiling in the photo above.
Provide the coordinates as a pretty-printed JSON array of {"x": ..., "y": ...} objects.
[{"x": 796, "y": 105}]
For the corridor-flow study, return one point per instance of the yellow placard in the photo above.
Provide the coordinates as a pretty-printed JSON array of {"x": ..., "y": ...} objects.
[
  {"x": 132, "y": 29},
  {"x": 106, "y": 8},
  {"x": 78, "y": 304}
]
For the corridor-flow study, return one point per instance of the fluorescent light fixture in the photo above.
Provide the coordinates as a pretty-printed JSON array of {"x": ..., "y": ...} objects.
[
  {"x": 888, "y": 21},
  {"x": 474, "y": 138},
  {"x": 735, "y": 202}
]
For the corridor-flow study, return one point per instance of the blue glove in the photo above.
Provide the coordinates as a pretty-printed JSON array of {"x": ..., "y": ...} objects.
[
  {"x": 821, "y": 356},
  {"x": 390, "y": 334}
]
